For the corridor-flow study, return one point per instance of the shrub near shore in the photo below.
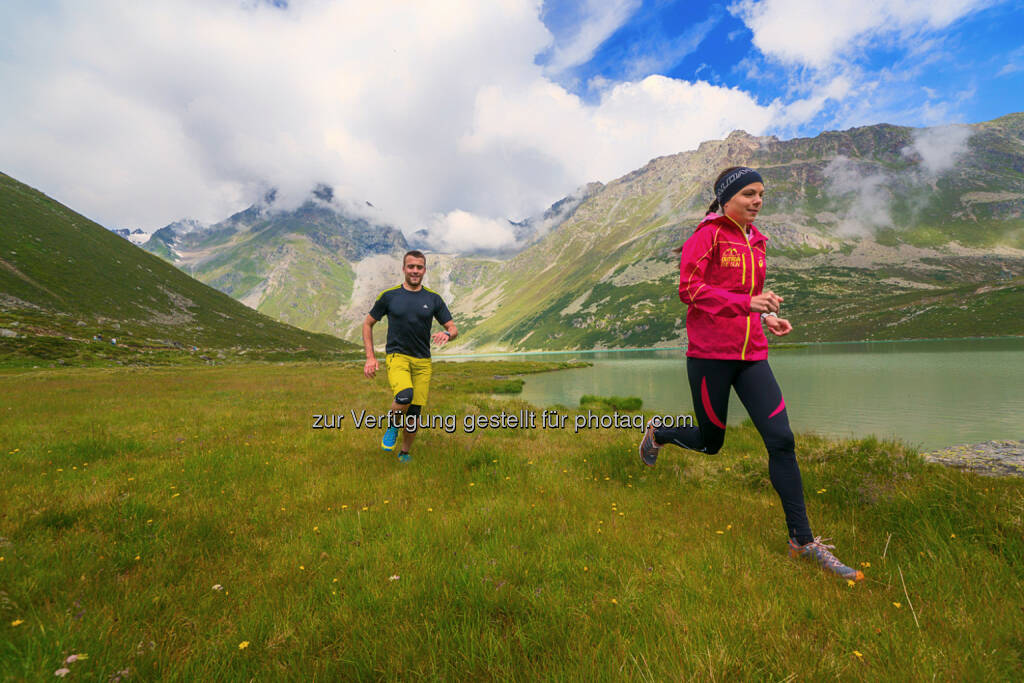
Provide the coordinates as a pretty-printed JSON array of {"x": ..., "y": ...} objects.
[{"x": 189, "y": 524}]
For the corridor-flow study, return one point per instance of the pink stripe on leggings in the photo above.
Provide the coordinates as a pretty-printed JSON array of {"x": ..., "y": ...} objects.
[{"x": 706, "y": 400}]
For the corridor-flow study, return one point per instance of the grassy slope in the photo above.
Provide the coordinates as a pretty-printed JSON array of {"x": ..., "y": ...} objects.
[
  {"x": 74, "y": 278},
  {"x": 529, "y": 553},
  {"x": 307, "y": 294},
  {"x": 596, "y": 244}
]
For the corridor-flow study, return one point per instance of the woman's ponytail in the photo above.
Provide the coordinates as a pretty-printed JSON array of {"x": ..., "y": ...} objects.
[{"x": 715, "y": 207}]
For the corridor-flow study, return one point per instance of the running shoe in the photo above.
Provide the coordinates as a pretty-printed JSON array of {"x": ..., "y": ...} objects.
[
  {"x": 390, "y": 439},
  {"x": 404, "y": 456},
  {"x": 821, "y": 553},
  {"x": 648, "y": 446}
]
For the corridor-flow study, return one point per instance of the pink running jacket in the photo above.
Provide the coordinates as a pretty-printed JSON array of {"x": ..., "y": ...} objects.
[{"x": 720, "y": 269}]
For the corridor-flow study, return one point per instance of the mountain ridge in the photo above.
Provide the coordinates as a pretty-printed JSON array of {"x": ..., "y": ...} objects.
[{"x": 917, "y": 209}]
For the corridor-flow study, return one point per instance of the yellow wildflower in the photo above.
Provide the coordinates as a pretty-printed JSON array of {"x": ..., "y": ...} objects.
[
  {"x": 17, "y": 622},
  {"x": 244, "y": 644},
  {"x": 897, "y": 605}
]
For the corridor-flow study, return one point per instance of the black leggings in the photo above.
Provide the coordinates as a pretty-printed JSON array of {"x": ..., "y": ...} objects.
[{"x": 755, "y": 384}]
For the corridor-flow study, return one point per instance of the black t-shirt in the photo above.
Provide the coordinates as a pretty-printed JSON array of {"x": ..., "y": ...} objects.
[{"x": 409, "y": 318}]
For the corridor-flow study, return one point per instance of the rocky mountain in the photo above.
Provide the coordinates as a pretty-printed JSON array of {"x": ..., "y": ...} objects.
[
  {"x": 136, "y": 236},
  {"x": 878, "y": 232},
  {"x": 69, "y": 288},
  {"x": 295, "y": 265}
]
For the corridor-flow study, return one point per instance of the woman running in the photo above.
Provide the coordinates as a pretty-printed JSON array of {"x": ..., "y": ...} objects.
[{"x": 721, "y": 275}]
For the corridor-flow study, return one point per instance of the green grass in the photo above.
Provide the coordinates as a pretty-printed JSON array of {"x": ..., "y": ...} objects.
[
  {"x": 611, "y": 402},
  {"x": 129, "y": 494}
]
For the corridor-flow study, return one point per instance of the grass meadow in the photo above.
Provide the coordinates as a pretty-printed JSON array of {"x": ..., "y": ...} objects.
[{"x": 190, "y": 524}]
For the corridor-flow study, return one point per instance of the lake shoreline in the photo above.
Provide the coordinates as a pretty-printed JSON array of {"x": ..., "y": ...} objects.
[
  {"x": 998, "y": 458},
  {"x": 780, "y": 346}
]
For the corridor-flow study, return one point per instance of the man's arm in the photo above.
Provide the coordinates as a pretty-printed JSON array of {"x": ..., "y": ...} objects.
[
  {"x": 370, "y": 369},
  {"x": 450, "y": 332}
]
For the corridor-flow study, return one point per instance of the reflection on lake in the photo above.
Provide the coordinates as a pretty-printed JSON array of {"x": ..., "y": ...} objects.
[{"x": 929, "y": 393}]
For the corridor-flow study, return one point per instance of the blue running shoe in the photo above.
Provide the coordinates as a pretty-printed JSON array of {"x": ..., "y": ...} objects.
[
  {"x": 404, "y": 456},
  {"x": 390, "y": 439}
]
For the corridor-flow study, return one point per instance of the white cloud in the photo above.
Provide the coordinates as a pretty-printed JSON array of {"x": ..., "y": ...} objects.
[
  {"x": 632, "y": 123},
  {"x": 138, "y": 114},
  {"x": 459, "y": 231},
  {"x": 817, "y": 34},
  {"x": 601, "y": 19},
  {"x": 939, "y": 148},
  {"x": 869, "y": 194}
]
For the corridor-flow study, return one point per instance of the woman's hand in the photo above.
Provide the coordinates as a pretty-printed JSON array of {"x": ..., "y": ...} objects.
[
  {"x": 778, "y": 326},
  {"x": 765, "y": 303}
]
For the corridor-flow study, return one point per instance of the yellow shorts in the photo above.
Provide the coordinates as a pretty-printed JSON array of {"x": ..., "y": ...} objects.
[{"x": 406, "y": 372}]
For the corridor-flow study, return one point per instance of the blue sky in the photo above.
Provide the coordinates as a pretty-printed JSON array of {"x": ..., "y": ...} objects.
[
  {"x": 456, "y": 115},
  {"x": 919, "y": 74}
]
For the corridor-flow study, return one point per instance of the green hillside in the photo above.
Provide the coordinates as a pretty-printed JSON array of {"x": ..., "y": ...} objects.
[
  {"x": 292, "y": 265},
  {"x": 65, "y": 280}
]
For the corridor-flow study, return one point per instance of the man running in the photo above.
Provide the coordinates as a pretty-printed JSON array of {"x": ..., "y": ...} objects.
[{"x": 409, "y": 308}]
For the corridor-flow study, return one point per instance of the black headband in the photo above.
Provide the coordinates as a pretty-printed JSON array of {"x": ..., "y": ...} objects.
[{"x": 734, "y": 182}]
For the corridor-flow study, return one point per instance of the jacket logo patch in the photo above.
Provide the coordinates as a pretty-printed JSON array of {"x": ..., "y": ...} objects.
[{"x": 731, "y": 258}]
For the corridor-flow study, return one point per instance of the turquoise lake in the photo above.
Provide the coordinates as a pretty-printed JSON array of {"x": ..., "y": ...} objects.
[{"x": 929, "y": 394}]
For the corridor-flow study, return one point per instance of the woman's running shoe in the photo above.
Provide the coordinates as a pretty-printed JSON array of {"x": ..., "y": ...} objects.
[
  {"x": 390, "y": 439},
  {"x": 648, "y": 446},
  {"x": 821, "y": 553}
]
